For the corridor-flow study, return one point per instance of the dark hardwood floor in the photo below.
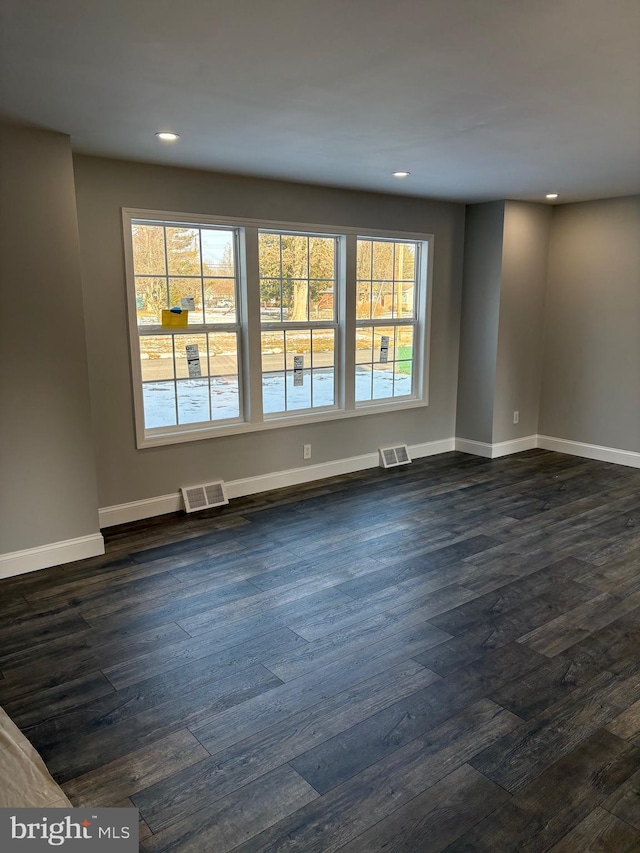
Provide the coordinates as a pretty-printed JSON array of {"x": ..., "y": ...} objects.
[{"x": 439, "y": 657}]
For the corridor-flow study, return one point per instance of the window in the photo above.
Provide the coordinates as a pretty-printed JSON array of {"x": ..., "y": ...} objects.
[
  {"x": 298, "y": 321},
  {"x": 189, "y": 374},
  {"x": 386, "y": 318},
  {"x": 238, "y": 326}
]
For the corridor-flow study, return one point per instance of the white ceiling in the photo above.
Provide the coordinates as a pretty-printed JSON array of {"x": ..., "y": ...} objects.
[{"x": 478, "y": 99}]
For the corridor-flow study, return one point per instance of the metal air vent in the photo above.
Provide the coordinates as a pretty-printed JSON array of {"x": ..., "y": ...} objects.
[
  {"x": 205, "y": 496},
  {"x": 392, "y": 456}
]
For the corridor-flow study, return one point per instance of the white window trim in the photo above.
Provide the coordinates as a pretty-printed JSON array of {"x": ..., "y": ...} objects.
[{"x": 250, "y": 322}]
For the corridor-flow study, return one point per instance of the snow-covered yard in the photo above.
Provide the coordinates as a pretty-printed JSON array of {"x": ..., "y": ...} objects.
[{"x": 316, "y": 391}]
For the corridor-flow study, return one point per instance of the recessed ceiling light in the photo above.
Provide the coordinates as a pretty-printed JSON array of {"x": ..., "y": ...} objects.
[
  {"x": 167, "y": 136},
  {"x": 552, "y": 195},
  {"x": 401, "y": 174}
]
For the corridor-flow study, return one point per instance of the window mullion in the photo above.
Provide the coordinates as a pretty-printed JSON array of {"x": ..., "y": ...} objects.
[
  {"x": 251, "y": 347},
  {"x": 347, "y": 321}
]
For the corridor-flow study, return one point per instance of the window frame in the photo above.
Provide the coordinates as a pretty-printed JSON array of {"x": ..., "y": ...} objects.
[{"x": 249, "y": 319}]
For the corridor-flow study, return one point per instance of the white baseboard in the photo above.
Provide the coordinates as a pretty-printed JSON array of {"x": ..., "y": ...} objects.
[
  {"x": 590, "y": 451},
  {"x": 475, "y": 448},
  {"x": 53, "y": 554},
  {"x": 57, "y": 553},
  {"x": 136, "y": 510},
  {"x": 432, "y": 448},
  {"x": 502, "y": 448},
  {"x": 149, "y": 507},
  {"x": 515, "y": 445}
]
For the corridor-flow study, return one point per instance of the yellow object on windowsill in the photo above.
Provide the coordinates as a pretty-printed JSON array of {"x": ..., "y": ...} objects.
[{"x": 174, "y": 318}]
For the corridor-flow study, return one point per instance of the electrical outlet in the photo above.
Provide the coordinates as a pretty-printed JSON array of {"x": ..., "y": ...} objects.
[
  {"x": 306, "y": 451},
  {"x": 516, "y": 417}
]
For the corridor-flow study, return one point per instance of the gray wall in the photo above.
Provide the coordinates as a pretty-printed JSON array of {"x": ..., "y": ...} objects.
[
  {"x": 525, "y": 250},
  {"x": 125, "y": 473},
  {"x": 48, "y": 483},
  {"x": 479, "y": 320},
  {"x": 591, "y": 365}
]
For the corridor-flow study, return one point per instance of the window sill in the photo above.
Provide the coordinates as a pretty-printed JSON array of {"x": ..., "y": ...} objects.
[{"x": 157, "y": 438}]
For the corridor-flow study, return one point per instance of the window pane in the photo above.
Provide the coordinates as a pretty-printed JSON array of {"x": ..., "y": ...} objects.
[
  {"x": 156, "y": 357},
  {"x": 272, "y": 351},
  {"x": 193, "y": 401},
  {"x": 184, "y": 288},
  {"x": 363, "y": 260},
  {"x": 295, "y": 296},
  {"x": 383, "y": 344},
  {"x": 151, "y": 298},
  {"x": 159, "y": 404},
  {"x": 321, "y": 296},
  {"x": 273, "y": 372},
  {"x": 190, "y": 362},
  {"x": 219, "y": 300},
  {"x": 323, "y": 363},
  {"x": 217, "y": 253},
  {"x": 402, "y": 384},
  {"x": 405, "y": 262},
  {"x": 405, "y": 306},
  {"x": 297, "y": 277},
  {"x": 298, "y": 361},
  {"x": 183, "y": 251},
  {"x": 363, "y": 300},
  {"x": 382, "y": 381},
  {"x": 382, "y": 261},
  {"x": 323, "y": 387},
  {"x": 225, "y": 397},
  {"x": 298, "y": 342},
  {"x": 270, "y": 300},
  {"x": 404, "y": 361},
  {"x": 225, "y": 383},
  {"x": 148, "y": 249},
  {"x": 364, "y": 362},
  {"x": 269, "y": 254},
  {"x": 322, "y": 257},
  {"x": 223, "y": 354},
  {"x": 404, "y": 342},
  {"x": 364, "y": 345},
  {"x": 363, "y": 382},
  {"x": 273, "y": 392},
  {"x": 298, "y": 396},
  {"x": 295, "y": 256},
  {"x": 323, "y": 346},
  {"x": 303, "y": 375},
  {"x": 382, "y": 303}
]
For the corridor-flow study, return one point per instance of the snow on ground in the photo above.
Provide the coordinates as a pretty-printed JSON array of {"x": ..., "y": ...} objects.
[{"x": 316, "y": 392}]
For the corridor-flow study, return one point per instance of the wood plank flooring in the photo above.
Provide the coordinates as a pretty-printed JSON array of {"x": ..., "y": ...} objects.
[{"x": 440, "y": 657}]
